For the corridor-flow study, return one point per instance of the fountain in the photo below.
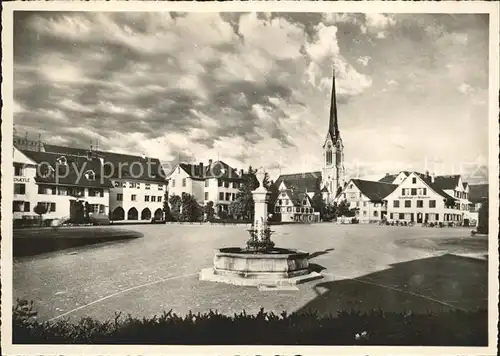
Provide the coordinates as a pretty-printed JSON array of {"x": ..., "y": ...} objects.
[{"x": 260, "y": 263}]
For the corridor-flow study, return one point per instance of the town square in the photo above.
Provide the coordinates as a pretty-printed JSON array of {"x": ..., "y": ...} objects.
[{"x": 312, "y": 178}]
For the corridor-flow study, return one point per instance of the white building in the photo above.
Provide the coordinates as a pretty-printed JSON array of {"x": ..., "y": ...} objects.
[
  {"x": 138, "y": 183},
  {"x": 427, "y": 199},
  {"x": 367, "y": 198},
  {"x": 294, "y": 202},
  {"x": 57, "y": 181},
  {"x": 216, "y": 182}
]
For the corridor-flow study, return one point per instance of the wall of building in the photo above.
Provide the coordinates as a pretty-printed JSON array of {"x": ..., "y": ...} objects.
[
  {"x": 430, "y": 212},
  {"x": 366, "y": 211},
  {"x": 141, "y": 190}
]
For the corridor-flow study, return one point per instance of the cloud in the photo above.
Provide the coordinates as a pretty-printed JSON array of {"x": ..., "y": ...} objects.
[
  {"x": 363, "y": 60},
  {"x": 465, "y": 88},
  {"x": 251, "y": 88}
]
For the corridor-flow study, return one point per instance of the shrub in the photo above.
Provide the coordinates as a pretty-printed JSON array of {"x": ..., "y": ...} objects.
[{"x": 457, "y": 328}]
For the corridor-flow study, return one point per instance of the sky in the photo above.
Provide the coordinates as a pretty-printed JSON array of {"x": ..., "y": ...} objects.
[{"x": 254, "y": 88}]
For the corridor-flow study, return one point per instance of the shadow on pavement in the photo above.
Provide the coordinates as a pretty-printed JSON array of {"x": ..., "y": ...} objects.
[
  {"x": 319, "y": 253},
  {"x": 431, "y": 284}
]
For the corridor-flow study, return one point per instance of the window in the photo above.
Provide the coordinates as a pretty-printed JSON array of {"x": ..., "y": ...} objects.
[
  {"x": 228, "y": 196},
  {"x": 118, "y": 184},
  {"x": 62, "y": 191},
  {"x": 159, "y": 198},
  {"x": 395, "y": 204},
  {"x": 27, "y": 206},
  {"x": 390, "y": 216},
  {"x": 96, "y": 192},
  {"x": 276, "y": 209},
  {"x": 286, "y": 201},
  {"x": 375, "y": 213},
  {"x": 413, "y": 191},
  {"x": 297, "y": 210},
  {"x": 207, "y": 182},
  {"x": 173, "y": 183},
  {"x": 219, "y": 182},
  {"x": 183, "y": 182},
  {"x": 432, "y": 203},
  {"x": 401, "y": 216},
  {"x": 221, "y": 196},
  {"x": 133, "y": 197},
  {"x": 424, "y": 191},
  {"x": 119, "y": 197},
  {"x": 403, "y": 191},
  {"x": 147, "y": 186},
  {"x": 420, "y": 203},
  {"x": 131, "y": 185},
  {"x": 90, "y": 175},
  {"x": 350, "y": 186},
  {"x": 414, "y": 180},
  {"x": 160, "y": 186},
  {"x": 206, "y": 195},
  {"x": 226, "y": 184},
  {"x": 19, "y": 188},
  {"x": 364, "y": 212},
  {"x": 280, "y": 202},
  {"x": 18, "y": 170},
  {"x": 407, "y": 203},
  {"x": 364, "y": 204},
  {"x": 146, "y": 198},
  {"x": 153, "y": 199},
  {"x": 233, "y": 196}
]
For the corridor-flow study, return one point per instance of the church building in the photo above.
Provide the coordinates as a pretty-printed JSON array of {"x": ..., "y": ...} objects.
[{"x": 329, "y": 181}]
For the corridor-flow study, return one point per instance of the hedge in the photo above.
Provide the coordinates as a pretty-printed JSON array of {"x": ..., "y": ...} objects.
[{"x": 452, "y": 328}]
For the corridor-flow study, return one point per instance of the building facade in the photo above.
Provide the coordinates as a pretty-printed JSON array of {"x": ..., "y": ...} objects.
[
  {"x": 427, "y": 199},
  {"x": 137, "y": 183},
  {"x": 216, "y": 182},
  {"x": 366, "y": 198},
  {"x": 58, "y": 182}
]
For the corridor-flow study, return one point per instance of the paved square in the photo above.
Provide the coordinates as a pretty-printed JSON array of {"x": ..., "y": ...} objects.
[{"x": 365, "y": 267}]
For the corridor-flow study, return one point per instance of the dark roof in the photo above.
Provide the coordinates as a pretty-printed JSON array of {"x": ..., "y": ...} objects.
[
  {"x": 71, "y": 174},
  {"x": 119, "y": 165},
  {"x": 478, "y": 192},
  {"x": 447, "y": 182},
  {"x": 375, "y": 191},
  {"x": 297, "y": 197},
  {"x": 217, "y": 169},
  {"x": 389, "y": 178},
  {"x": 440, "y": 183},
  {"x": 302, "y": 182}
]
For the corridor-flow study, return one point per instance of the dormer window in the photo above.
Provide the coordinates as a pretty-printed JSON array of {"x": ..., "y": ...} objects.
[
  {"x": 45, "y": 170},
  {"x": 90, "y": 175},
  {"x": 62, "y": 161}
]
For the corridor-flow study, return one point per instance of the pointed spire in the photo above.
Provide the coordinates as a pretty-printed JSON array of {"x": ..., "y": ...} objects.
[{"x": 333, "y": 127}]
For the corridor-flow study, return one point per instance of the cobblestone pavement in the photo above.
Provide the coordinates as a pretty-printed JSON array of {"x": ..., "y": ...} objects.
[{"x": 365, "y": 267}]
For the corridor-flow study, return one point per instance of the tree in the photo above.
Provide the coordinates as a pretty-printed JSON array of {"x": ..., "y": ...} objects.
[
  {"x": 209, "y": 210},
  {"x": 191, "y": 210},
  {"x": 482, "y": 225},
  {"x": 175, "y": 202},
  {"x": 244, "y": 195},
  {"x": 41, "y": 209},
  {"x": 236, "y": 209},
  {"x": 166, "y": 207},
  {"x": 344, "y": 210},
  {"x": 273, "y": 194}
]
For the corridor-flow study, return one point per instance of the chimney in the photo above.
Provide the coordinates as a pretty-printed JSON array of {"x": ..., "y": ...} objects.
[
  {"x": 209, "y": 162},
  {"x": 387, "y": 174},
  {"x": 241, "y": 172}
]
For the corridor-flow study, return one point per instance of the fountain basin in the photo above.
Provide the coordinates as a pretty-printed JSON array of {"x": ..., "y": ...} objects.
[{"x": 277, "y": 266}]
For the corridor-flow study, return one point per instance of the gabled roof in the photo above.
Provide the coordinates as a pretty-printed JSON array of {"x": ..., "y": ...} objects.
[
  {"x": 70, "y": 174},
  {"x": 439, "y": 185},
  {"x": 302, "y": 182},
  {"x": 119, "y": 165},
  {"x": 389, "y": 178},
  {"x": 447, "y": 182},
  {"x": 478, "y": 192},
  {"x": 375, "y": 191},
  {"x": 297, "y": 197},
  {"x": 217, "y": 169}
]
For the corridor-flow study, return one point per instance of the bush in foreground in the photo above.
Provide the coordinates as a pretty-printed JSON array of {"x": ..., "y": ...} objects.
[{"x": 453, "y": 328}]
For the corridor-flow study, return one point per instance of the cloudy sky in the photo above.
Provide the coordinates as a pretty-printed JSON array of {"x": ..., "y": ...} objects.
[{"x": 254, "y": 88}]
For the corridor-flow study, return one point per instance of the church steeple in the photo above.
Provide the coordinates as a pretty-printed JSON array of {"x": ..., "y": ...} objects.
[{"x": 333, "y": 127}]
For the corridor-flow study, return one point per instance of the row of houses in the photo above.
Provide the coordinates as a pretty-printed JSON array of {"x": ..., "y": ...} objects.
[{"x": 133, "y": 188}]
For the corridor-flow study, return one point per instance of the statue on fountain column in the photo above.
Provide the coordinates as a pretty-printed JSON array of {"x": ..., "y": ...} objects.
[{"x": 260, "y": 232}]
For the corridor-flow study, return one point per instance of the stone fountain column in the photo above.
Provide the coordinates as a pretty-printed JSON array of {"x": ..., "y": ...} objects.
[{"x": 261, "y": 239}]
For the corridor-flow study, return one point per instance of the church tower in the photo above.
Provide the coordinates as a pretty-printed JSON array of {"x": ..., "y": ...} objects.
[{"x": 333, "y": 153}]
